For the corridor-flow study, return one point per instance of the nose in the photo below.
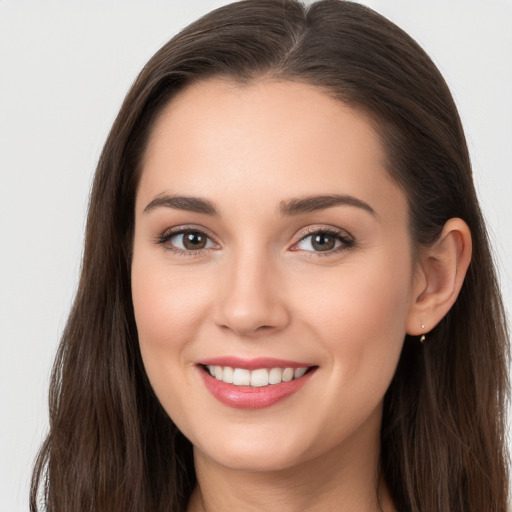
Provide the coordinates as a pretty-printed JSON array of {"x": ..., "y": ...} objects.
[{"x": 251, "y": 300}]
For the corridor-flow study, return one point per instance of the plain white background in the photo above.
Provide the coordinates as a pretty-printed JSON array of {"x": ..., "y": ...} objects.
[{"x": 65, "y": 67}]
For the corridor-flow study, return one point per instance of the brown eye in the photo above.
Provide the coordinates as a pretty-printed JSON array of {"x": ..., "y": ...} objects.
[
  {"x": 193, "y": 240},
  {"x": 187, "y": 240},
  {"x": 323, "y": 242}
]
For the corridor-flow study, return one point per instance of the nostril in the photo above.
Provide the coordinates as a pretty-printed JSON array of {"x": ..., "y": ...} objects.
[{"x": 265, "y": 328}]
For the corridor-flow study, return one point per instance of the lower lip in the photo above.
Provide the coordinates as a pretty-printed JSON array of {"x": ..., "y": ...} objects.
[{"x": 248, "y": 397}]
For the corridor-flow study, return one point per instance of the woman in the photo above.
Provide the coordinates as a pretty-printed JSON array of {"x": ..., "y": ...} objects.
[{"x": 287, "y": 299}]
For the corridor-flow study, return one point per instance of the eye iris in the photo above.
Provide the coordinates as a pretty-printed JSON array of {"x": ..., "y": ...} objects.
[
  {"x": 194, "y": 240},
  {"x": 323, "y": 242}
]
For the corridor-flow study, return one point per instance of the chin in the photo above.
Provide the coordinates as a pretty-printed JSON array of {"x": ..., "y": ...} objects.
[
  {"x": 265, "y": 454},
  {"x": 254, "y": 461}
]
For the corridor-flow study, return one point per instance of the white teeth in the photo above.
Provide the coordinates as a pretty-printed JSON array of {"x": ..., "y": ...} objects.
[
  {"x": 287, "y": 374},
  {"x": 275, "y": 376},
  {"x": 299, "y": 372},
  {"x": 256, "y": 378},
  {"x": 241, "y": 377},
  {"x": 228, "y": 375},
  {"x": 259, "y": 378}
]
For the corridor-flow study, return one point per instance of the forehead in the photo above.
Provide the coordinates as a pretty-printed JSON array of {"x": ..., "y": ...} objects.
[{"x": 266, "y": 140}]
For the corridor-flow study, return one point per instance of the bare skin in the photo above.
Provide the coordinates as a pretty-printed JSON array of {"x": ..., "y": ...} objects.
[
  {"x": 334, "y": 286},
  {"x": 315, "y": 485}
]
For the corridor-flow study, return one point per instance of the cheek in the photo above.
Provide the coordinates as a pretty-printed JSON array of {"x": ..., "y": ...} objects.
[
  {"x": 368, "y": 301},
  {"x": 377, "y": 303},
  {"x": 359, "y": 317},
  {"x": 169, "y": 308},
  {"x": 169, "y": 311},
  {"x": 166, "y": 303},
  {"x": 358, "y": 321}
]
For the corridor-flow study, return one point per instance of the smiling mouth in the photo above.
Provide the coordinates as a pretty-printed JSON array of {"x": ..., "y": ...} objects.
[{"x": 257, "y": 378}]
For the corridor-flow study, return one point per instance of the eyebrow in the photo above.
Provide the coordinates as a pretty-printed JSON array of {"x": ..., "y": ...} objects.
[
  {"x": 185, "y": 203},
  {"x": 310, "y": 204},
  {"x": 296, "y": 206}
]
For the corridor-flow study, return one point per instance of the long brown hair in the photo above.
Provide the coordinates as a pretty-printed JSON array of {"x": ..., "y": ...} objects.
[{"x": 111, "y": 447}]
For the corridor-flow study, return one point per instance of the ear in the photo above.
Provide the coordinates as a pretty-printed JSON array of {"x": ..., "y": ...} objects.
[{"x": 440, "y": 273}]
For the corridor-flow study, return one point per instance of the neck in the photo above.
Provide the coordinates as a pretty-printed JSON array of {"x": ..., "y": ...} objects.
[{"x": 346, "y": 479}]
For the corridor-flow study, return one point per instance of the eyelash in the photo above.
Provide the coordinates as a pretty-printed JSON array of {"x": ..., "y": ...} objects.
[
  {"x": 169, "y": 234},
  {"x": 347, "y": 241}
]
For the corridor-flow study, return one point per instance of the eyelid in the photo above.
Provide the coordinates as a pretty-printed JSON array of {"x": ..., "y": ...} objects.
[
  {"x": 167, "y": 234},
  {"x": 347, "y": 240}
]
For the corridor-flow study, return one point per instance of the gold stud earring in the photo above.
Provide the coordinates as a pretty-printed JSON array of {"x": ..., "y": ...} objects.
[{"x": 423, "y": 337}]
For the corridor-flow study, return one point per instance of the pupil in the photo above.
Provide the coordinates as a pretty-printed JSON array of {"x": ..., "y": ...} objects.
[
  {"x": 323, "y": 242},
  {"x": 194, "y": 240}
]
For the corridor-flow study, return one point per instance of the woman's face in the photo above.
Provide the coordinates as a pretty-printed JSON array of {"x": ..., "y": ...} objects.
[{"x": 268, "y": 236}]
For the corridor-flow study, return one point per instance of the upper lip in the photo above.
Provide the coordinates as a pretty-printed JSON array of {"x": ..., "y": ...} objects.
[{"x": 252, "y": 364}]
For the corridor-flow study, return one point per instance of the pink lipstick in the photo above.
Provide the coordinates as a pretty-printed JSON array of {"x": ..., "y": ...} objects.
[{"x": 254, "y": 383}]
